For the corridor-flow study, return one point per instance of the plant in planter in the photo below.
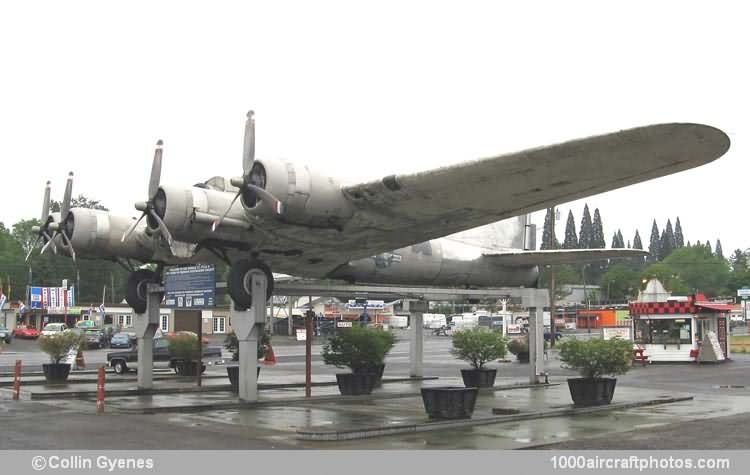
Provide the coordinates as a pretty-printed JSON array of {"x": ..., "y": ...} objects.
[
  {"x": 57, "y": 346},
  {"x": 479, "y": 346},
  {"x": 595, "y": 359},
  {"x": 363, "y": 350},
  {"x": 232, "y": 343},
  {"x": 520, "y": 348},
  {"x": 184, "y": 350}
]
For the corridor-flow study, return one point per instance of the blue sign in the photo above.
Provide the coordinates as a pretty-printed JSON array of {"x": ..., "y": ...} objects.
[
  {"x": 36, "y": 297},
  {"x": 190, "y": 286}
]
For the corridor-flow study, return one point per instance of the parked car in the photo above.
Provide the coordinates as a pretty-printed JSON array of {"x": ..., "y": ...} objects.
[
  {"x": 120, "y": 340},
  {"x": 53, "y": 329},
  {"x": 124, "y": 361},
  {"x": 110, "y": 330},
  {"x": 26, "y": 332},
  {"x": 5, "y": 334},
  {"x": 95, "y": 338}
]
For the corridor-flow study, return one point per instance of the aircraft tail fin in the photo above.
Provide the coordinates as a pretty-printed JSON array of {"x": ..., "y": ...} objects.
[{"x": 560, "y": 256}]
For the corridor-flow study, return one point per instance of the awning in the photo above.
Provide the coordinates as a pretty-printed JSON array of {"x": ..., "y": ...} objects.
[{"x": 718, "y": 307}]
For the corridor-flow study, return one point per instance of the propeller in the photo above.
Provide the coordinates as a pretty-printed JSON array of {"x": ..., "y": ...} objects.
[
  {"x": 64, "y": 210},
  {"x": 250, "y": 181},
  {"x": 42, "y": 231},
  {"x": 149, "y": 207}
]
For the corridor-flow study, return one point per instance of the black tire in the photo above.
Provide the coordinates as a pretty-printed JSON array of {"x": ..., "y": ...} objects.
[
  {"x": 120, "y": 367},
  {"x": 136, "y": 290},
  {"x": 239, "y": 282}
]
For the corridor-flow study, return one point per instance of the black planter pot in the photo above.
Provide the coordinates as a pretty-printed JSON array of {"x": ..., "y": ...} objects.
[
  {"x": 523, "y": 357},
  {"x": 376, "y": 370},
  {"x": 189, "y": 368},
  {"x": 56, "y": 373},
  {"x": 356, "y": 384},
  {"x": 479, "y": 378},
  {"x": 449, "y": 402},
  {"x": 591, "y": 391},
  {"x": 234, "y": 377}
]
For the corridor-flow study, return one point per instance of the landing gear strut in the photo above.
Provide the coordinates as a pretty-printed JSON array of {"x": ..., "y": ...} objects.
[
  {"x": 240, "y": 280},
  {"x": 136, "y": 289}
]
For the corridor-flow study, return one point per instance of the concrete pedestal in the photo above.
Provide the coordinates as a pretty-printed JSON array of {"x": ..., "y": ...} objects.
[
  {"x": 416, "y": 310},
  {"x": 248, "y": 326},
  {"x": 145, "y": 328},
  {"x": 536, "y": 345}
]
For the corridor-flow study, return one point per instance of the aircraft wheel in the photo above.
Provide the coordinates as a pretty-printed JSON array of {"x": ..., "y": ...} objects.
[
  {"x": 240, "y": 278},
  {"x": 136, "y": 289}
]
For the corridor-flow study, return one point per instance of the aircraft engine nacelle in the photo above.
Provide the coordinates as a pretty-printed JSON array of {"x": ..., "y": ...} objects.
[
  {"x": 97, "y": 233},
  {"x": 309, "y": 198},
  {"x": 189, "y": 213}
]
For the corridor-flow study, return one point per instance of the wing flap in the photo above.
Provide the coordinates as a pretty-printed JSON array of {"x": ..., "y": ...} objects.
[{"x": 561, "y": 256}]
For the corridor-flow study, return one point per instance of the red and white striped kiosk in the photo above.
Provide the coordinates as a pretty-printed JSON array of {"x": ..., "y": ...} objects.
[{"x": 673, "y": 329}]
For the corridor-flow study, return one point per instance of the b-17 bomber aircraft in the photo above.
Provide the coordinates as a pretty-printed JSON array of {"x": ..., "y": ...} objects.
[{"x": 290, "y": 219}]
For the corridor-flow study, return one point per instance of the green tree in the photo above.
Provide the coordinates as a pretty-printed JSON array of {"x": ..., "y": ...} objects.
[
  {"x": 597, "y": 239},
  {"x": 620, "y": 239},
  {"x": 718, "y": 251},
  {"x": 549, "y": 240},
  {"x": 654, "y": 244},
  {"x": 620, "y": 283},
  {"x": 586, "y": 236},
  {"x": 78, "y": 202},
  {"x": 740, "y": 273},
  {"x": 697, "y": 269},
  {"x": 679, "y": 239},
  {"x": 637, "y": 241},
  {"x": 571, "y": 239},
  {"x": 667, "y": 241},
  {"x": 708, "y": 246}
]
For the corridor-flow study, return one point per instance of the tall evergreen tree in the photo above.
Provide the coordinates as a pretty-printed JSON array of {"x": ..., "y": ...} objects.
[
  {"x": 679, "y": 239},
  {"x": 620, "y": 239},
  {"x": 628, "y": 243},
  {"x": 585, "y": 238},
  {"x": 698, "y": 243},
  {"x": 667, "y": 241},
  {"x": 654, "y": 244},
  {"x": 637, "y": 244},
  {"x": 708, "y": 246},
  {"x": 548, "y": 234},
  {"x": 688, "y": 244},
  {"x": 597, "y": 239},
  {"x": 719, "y": 252},
  {"x": 615, "y": 243},
  {"x": 571, "y": 239}
]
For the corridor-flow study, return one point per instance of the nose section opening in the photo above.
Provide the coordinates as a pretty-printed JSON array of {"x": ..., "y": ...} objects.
[
  {"x": 249, "y": 198},
  {"x": 160, "y": 207},
  {"x": 69, "y": 225}
]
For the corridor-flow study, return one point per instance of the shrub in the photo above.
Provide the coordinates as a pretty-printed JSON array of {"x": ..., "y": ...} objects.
[
  {"x": 358, "y": 348},
  {"x": 184, "y": 346},
  {"x": 478, "y": 346},
  {"x": 596, "y": 358},
  {"x": 232, "y": 343},
  {"x": 58, "y": 346}
]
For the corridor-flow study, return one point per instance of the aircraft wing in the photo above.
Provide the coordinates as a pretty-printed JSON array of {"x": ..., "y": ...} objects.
[
  {"x": 400, "y": 210},
  {"x": 561, "y": 256}
]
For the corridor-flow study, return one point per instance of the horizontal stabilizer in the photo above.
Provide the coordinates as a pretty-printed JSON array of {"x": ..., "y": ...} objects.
[{"x": 561, "y": 256}]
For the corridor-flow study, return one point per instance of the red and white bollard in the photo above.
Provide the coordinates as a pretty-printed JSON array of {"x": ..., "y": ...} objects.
[
  {"x": 17, "y": 381},
  {"x": 100, "y": 391}
]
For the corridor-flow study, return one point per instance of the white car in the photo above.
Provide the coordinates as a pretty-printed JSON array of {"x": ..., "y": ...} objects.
[{"x": 53, "y": 329}]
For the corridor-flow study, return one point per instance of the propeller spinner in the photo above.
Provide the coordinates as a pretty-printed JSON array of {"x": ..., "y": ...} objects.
[
  {"x": 155, "y": 196},
  {"x": 251, "y": 181}
]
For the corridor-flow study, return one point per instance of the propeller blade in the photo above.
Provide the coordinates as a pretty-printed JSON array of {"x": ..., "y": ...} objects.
[
  {"x": 268, "y": 198},
  {"x": 45, "y": 204},
  {"x": 224, "y": 215},
  {"x": 36, "y": 241},
  {"x": 162, "y": 228},
  {"x": 248, "y": 147},
  {"x": 65, "y": 207},
  {"x": 69, "y": 245},
  {"x": 49, "y": 238},
  {"x": 153, "y": 184},
  {"x": 130, "y": 230},
  {"x": 44, "y": 248}
]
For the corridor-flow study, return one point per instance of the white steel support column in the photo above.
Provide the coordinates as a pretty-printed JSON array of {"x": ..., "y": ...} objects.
[
  {"x": 416, "y": 310},
  {"x": 248, "y": 325},
  {"x": 536, "y": 345},
  {"x": 145, "y": 327}
]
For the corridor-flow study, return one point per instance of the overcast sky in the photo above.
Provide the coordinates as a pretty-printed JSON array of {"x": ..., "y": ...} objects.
[{"x": 366, "y": 91}]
